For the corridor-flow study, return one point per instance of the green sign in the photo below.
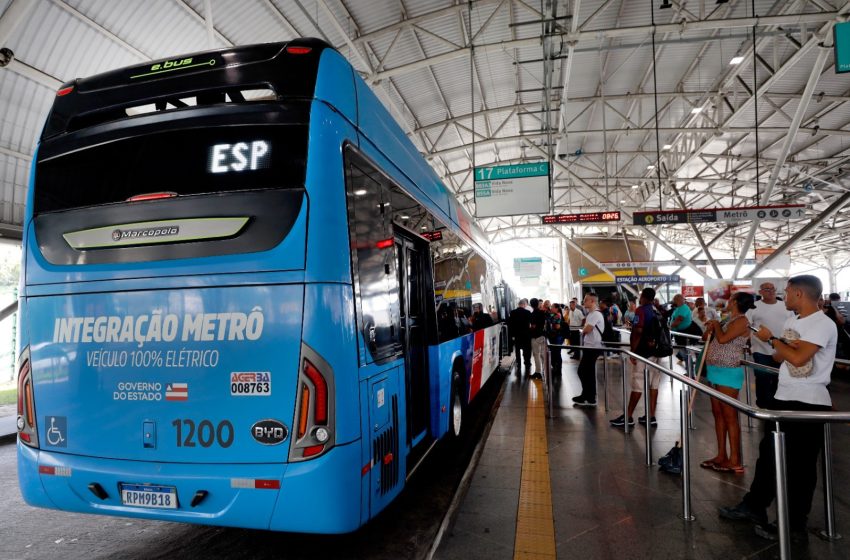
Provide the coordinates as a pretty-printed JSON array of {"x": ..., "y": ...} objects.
[
  {"x": 841, "y": 41},
  {"x": 582, "y": 271},
  {"x": 512, "y": 171}
]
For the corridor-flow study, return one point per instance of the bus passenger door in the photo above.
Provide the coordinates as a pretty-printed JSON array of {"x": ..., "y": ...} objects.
[{"x": 412, "y": 262}]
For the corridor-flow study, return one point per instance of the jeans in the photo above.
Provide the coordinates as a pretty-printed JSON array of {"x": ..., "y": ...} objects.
[
  {"x": 766, "y": 382},
  {"x": 524, "y": 345},
  {"x": 587, "y": 374},
  {"x": 538, "y": 346},
  {"x": 803, "y": 444},
  {"x": 555, "y": 355}
]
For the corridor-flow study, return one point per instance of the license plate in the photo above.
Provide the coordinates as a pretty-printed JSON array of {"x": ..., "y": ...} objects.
[{"x": 149, "y": 496}]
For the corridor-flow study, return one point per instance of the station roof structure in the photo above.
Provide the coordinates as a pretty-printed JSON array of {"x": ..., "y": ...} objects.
[{"x": 507, "y": 81}]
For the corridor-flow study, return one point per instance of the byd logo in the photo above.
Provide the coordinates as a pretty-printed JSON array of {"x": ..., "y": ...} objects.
[{"x": 269, "y": 432}]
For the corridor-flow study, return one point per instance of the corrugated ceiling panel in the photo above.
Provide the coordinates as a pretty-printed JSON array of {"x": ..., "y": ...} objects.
[
  {"x": 13, "y": 179},
  {"x": 65, "y": 47},
  {"x": 378, "y": 14},
  {"x": 262, "y": 23}
]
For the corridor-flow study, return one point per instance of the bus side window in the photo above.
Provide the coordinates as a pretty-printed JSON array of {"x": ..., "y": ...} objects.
[{"x": 373, "y": 261}]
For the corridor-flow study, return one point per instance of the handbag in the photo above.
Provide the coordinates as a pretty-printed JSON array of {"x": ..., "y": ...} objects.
[
  {"x": 672, "y": 461},
  {"x": 804, "y": 370}
]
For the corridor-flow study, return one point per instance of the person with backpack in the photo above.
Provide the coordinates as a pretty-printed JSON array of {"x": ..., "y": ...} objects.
[
  {"x": 592, "y": 333},
  {"x": 555, "y": 334},
  {"x": 538, "y": 335},
  {"x": 645, "y": 341}
]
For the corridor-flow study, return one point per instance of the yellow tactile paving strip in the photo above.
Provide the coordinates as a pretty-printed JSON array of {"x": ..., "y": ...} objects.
[{"x": 535, "y": 528}]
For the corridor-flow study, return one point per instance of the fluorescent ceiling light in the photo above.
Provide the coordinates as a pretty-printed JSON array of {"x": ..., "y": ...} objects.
[
  {"x": 634, "y": 186},
  {"x": 360, "y": 192},
  {"x": 736, "y": 60},
  {"x": 650, "y": 167},
  {"x": 666, "y": 146},
  {"x": 696, "y": 110}
]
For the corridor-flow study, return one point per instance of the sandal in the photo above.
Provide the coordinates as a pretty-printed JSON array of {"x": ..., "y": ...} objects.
[
  {"x": 736, "y": 469},
  {"x": 708, "y": 464}
]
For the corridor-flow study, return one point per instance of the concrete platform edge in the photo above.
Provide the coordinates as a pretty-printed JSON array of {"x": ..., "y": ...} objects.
[{"x": 466, "y": 481}]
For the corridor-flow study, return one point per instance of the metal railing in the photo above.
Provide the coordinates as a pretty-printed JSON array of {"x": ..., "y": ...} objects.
[{"x": 775, "y": 416}]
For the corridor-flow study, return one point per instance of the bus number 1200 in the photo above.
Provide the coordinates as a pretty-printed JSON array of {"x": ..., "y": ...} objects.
[{"x": 205, "y": 434}]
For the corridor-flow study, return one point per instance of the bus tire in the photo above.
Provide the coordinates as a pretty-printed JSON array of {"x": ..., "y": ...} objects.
[{"x": 456, "y": 406}]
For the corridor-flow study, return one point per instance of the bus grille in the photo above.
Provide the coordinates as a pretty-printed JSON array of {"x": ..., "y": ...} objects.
[{"x": 385, "y": 452}]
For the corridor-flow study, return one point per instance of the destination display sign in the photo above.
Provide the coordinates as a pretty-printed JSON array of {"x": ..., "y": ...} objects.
[
  {"x": 587, "y": 217},
  {"x": 730, "y": 215},
  {"x": 432, "y": 235},
  {"x": 651, "y": 264},
  {"x": 649, "y": 279},
  {"x": 508, "y": 190}
]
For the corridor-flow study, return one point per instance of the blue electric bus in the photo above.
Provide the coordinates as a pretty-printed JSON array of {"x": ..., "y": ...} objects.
[{"x": 241, "y": 296}]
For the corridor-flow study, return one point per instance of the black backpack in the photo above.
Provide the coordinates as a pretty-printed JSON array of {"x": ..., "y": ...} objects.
[
  {"x": 655, "y": 340},
  {"x": 609, "y": 334}
]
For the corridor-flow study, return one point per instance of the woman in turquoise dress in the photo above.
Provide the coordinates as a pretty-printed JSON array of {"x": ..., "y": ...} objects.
[{"x": 725, "y": 373}]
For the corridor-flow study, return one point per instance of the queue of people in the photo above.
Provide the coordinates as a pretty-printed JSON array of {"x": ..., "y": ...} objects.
[{"x": 798, "y": 336}]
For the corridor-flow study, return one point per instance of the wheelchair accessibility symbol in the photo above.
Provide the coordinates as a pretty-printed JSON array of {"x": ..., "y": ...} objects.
[{"x": 57, "y": 430}]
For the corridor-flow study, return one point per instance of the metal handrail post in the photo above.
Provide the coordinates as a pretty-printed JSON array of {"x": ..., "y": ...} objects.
[
  {"x": 748, "y": 376},
  {"x": 547, "y": 369},
  {"x": 625, "y": 396},
  {"x": 646, "y": 416},
  {"x": 692, "y": 373},
  {"x": 828, "y": 499},
  {"x": 605, "y": 380},
  {"x": 781, "y": 494},
  {"x": 684, "y": 393}
]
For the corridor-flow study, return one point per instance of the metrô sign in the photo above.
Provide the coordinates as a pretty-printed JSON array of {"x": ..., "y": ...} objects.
[{"x": 733, "y": 215}]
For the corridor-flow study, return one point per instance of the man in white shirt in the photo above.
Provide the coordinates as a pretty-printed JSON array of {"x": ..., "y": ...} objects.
[
  {"x": 771, "y": 313},
  {"x": 594, "y": 324},
  {"x": 576, "y": 318},
  {"x": 806, "y": 348}
]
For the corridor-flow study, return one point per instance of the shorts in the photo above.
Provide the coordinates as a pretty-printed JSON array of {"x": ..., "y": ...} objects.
[
  {"x": 637, "y": 375},
  {"x": 732, "y": 377}
]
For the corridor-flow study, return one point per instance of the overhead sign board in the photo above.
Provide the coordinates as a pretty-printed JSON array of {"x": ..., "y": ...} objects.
[
  {"x": 652, "y": 264},
  {"x": 432, "y": 235},
  {"x": 731, "y": 215},
  {"x": 509, "y": 190},
  {"x": 841, "y": 45},
  {"x": 585, "y": 218},
  {"x": 649, "y": 279},
  {"x": 529, "y": 267}
]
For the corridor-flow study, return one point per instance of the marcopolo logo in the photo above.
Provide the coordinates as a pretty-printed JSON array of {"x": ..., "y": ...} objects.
[
  {"x": 269, "y": 432},
  {"x": 144, "y": 233}
]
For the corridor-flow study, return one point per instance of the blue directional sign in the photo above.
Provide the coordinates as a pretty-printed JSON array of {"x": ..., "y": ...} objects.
[{"x": 649, "y": 279}]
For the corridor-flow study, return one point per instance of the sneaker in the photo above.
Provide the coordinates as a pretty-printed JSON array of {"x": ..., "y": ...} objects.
[
  {"x": 743, "y": 512},
  {"x": 582, "y": 401},
  {"x": 620, "y": 421},
  {"x": 652, "y": 421},
  {"x": 770, "y": 531}
]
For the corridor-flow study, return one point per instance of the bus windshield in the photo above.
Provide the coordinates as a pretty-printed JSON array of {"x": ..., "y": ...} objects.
[{"x": 186, "y": 161}]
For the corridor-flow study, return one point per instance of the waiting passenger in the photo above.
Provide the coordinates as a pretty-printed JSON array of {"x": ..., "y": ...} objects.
[
  {"x": 593, "y": 326},
  {"x": 806, "y": 348},
  {"x": 519, "y": 322},
  {"x": 771, "y": 313},
  {"x": 555, "y": 335},
  {"x": 576, "y": 319},
  {"x": 642, "y": 341},
  {"x": 680, "y": 321},
  {"x": 538, "y": 335},
  {"x": 629, "y": 315},
  {"x": 725, "y": 373}
]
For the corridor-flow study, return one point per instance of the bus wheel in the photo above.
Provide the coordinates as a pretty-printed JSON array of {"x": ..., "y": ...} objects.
[{"x": 456, "y": 417}]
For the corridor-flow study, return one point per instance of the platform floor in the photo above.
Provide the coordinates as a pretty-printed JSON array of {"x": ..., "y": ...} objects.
[{"x": 606, "y": 503}]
